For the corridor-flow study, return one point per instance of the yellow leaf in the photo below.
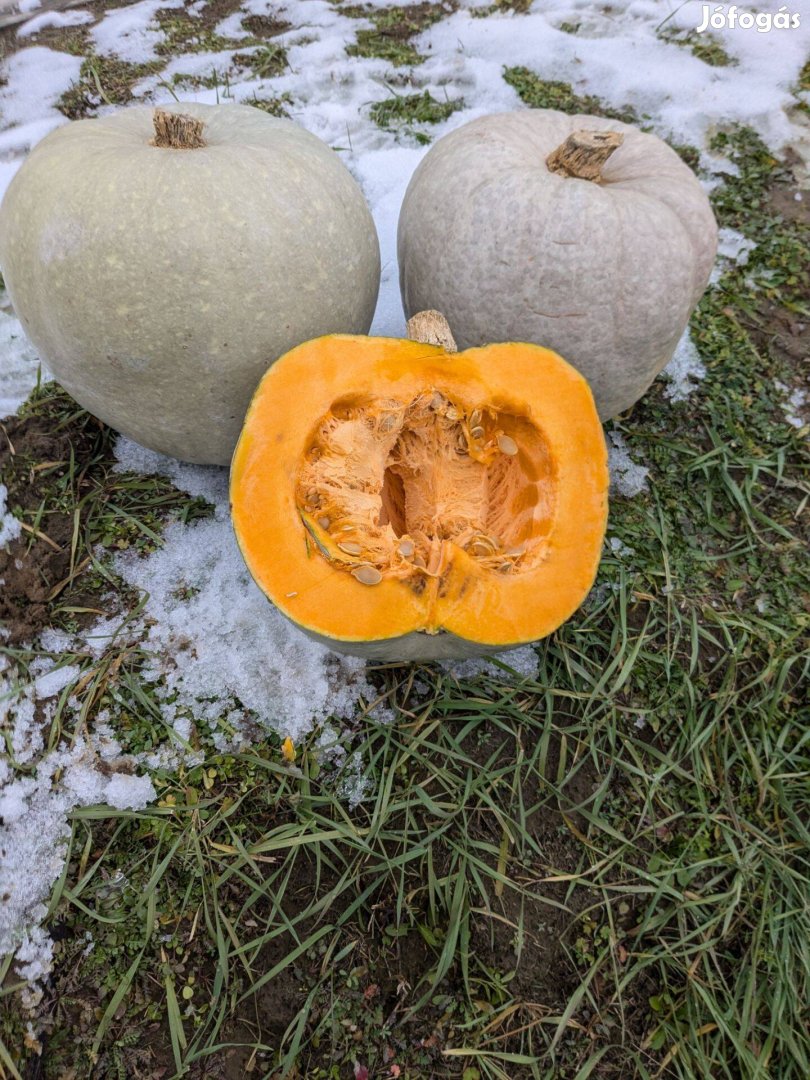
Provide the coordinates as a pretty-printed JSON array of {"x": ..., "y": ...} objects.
[{"x": 288, "y": 750}]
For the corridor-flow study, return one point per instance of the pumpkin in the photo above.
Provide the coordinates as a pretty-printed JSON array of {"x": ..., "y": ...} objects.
[
  {"x": 159, "y": 260},
  {"x": 419, "y": 503},
  {"x": 578, "y": 233}
]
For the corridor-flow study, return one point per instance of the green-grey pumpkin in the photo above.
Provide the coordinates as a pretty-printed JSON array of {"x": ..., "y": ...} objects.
[
  {"x": 160, "y": 260},
  {"x": 577, "y": 233}
]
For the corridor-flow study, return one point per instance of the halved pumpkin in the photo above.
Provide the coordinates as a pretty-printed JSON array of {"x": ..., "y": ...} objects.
[{"x": 402, "y": 501}]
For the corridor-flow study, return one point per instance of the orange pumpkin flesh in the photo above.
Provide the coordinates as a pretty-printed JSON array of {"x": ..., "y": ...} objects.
[{"x": 403, "y": 502}]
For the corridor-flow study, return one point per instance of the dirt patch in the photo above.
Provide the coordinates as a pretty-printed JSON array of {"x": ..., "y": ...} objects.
[
  {"x": 35, "y": 459},
  {"x": 56, "y": 460},
  {"x": 783, "y": 332},
  {"x": 264, "y": 26}
]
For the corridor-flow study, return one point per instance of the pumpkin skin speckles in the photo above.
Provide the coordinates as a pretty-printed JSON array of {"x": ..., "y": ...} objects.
[
  {"x": 605, "y": 270},
  {"x": 159, "y": 282}
]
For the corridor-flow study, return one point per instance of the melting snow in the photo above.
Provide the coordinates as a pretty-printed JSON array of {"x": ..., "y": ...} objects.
[
  {"x": 524, "y": 662},
  {"x": 684, "y": 370},
  {"x": 131, "y": 32},
  {"x": 627, "y": 478},
  {"x": 795, "y": 402},
  {"x": 49, "y": 19},
  {"x": 735, "y": 247},
  {"x": 10, "y": 526}
]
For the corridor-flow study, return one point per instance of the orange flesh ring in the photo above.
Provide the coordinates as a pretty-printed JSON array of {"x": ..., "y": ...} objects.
[{"x": 437, "y": 501}]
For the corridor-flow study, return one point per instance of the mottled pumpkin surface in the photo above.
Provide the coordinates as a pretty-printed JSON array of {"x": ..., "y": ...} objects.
[
  {"x": 605, "y": 273},
  {"x": 158, "y": 284}
]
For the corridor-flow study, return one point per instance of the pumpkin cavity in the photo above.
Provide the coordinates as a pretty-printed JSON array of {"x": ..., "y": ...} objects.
[{"x": 392, "y": 489}]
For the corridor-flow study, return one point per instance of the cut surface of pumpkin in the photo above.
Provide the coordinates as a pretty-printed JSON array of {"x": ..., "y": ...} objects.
[{"x": 404, "y": 502}]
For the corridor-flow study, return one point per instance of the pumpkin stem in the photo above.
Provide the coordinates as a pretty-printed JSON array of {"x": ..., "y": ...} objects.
[
  {"x": 584, "y": 153},
  {"x": 177, "y": 131},
  {"x": 431, "y": 328}
]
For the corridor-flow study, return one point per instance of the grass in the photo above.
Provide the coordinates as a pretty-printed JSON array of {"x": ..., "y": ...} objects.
[
  {"x": 703, "y": 46},
  {"x": 277, "y": 106},
  {"x": 519, "y": 7},
  {"x": 103, "y": 80},
  {"x": 598, "y": 872},
  {"x": 186, "y": 34},
  {"x": 265, "y": 62},
  {"x": 393, "y": 28},
  {"x": 401, "y": 111},
  {"x": 74, "y": 499},
  {"x": 539, "y": 93}
]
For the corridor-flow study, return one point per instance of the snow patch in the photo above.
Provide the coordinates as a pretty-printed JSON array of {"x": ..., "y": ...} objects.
[
  {"x": 627, "y": 477},
  {"x": 10, "y": 526},
  {"x": 795, "y": 401},
  {"x": 523, "y": 662},
  {"x": 617, "y": 547},
  {"x": 735, "y": 247},
  {"x": 131, "y": 33},
  {"x": 684, "y": 370},
  {"x": 33, "y": 837},
  {"x": 53, "y": 19},
  {"x": 20, "y": 367},
  {"x": 31, "y": 82}
]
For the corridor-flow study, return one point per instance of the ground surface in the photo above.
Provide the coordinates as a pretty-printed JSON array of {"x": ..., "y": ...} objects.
[{"x": 588, "y": 859}]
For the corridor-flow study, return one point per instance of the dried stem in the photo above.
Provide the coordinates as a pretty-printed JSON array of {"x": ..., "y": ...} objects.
[
  {"x": 177, "y": 131},
  {"x": 584, "y": 153},
  {"x": 431, "y": 328}
]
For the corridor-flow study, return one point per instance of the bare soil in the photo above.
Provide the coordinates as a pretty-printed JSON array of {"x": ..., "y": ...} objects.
[{"x": 34, "y": 458}]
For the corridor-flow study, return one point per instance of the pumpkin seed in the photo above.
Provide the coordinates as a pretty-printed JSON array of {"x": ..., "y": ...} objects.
[
  {"x": 367, "y": 575},
  {"x": 483, "y": 541},
  {"x": 351, "y": 548},
  {"x": 475, "y": 417},
  {"x": 406, "y": 548},
  {"x": 507, "y": 445},
  {"x": 323, "y": 522},
  {"x": 452, "y": 414},
  {"x": 477, "y": 432}
]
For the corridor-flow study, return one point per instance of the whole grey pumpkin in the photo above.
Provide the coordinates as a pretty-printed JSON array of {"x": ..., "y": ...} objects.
[
  {"x": 159, "y": 274},
  {"x": 605, "y": 270}
]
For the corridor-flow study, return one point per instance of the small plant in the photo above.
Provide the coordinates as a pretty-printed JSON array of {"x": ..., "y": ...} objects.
[
  {"x": 265, "y": 63},
  {"x": 400, "y": 112},
  {"x": 540, "y": 93},
  {"x": 703, "y": 46},
  {"x": 277, "y": 106},
  {"x": 103, "y": 80},
  {"x": 393, "y": 27}
]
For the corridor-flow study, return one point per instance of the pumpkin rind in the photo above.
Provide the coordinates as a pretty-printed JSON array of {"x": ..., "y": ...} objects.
[
  {"x": 463, "y": 611},
  {"x": 605, "y": 273},
  {"x": 158, "y": 284}
]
